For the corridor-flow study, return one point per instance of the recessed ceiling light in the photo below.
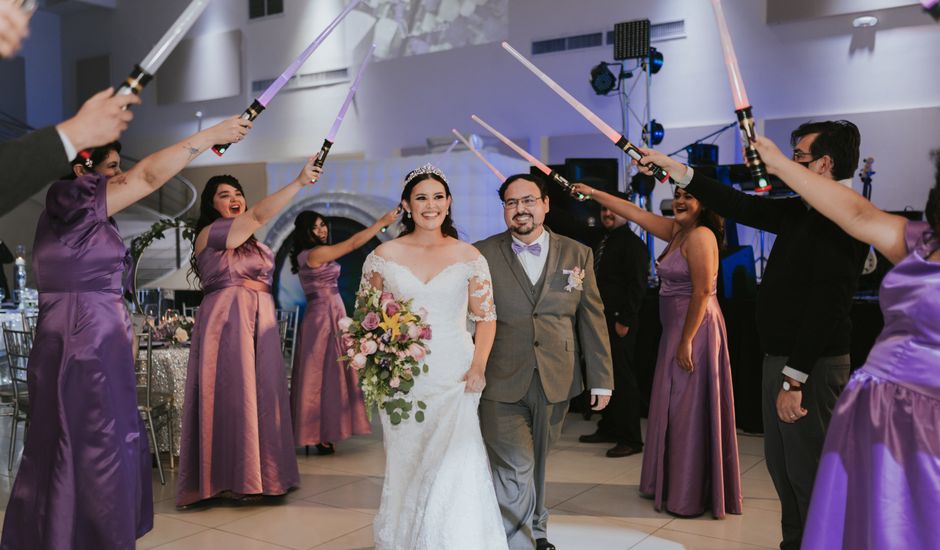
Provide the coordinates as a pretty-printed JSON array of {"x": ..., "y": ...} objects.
[{"x": 865, "y": 21}]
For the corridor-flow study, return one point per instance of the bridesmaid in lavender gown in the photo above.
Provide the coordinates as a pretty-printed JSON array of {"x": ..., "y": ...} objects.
[
  {"x": 690, "y": 462},
  {"x": 84, "y": 482},
  {"x": 326, "y": 402},
  {"x": 237, "y": 441},
  {"x": 878, "y": 483}
]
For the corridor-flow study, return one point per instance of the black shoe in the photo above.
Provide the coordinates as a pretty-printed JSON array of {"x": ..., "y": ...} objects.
[
  {"x": 325, "y": 449},
  {"x": 543, "y": 544},
  {"x": 597, "y": 437},
  {"x": 622, "y": 450}
]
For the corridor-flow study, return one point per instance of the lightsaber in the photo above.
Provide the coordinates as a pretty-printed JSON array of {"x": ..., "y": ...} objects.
[
  {"x": 742, "y": 107},
  {"x": 261, "y": 102},
  {"x": 144, "y": 71},
  {"x": 479, "y": 155},
  {"x": 328, "y": 142},
  {"x": 619, "y": 140},
  {"x": 552, "y": 175}
]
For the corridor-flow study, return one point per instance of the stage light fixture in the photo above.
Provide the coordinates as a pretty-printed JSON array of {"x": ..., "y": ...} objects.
[
  {"x": 654, "y": 133},
  {"x": 602, "y": 79},
  {"x": 655, "y": 60}
]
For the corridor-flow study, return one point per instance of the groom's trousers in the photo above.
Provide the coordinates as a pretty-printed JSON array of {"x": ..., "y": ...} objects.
[{"x": 518, "y": 437}]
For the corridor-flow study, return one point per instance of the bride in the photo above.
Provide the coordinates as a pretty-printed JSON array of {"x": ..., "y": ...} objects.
[{"x": 438, "y": 490}]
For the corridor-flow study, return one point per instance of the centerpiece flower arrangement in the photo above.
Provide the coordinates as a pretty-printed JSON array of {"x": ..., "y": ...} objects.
[
  {"x": 385, "y": 342},
  {"x": 173, "y": 328}
]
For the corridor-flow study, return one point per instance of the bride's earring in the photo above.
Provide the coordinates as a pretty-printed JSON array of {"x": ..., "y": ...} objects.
[{"x": 408, "y": 214}]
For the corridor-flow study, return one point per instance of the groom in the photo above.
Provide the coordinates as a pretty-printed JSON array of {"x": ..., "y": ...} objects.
[{"x": 549, "y": 314}]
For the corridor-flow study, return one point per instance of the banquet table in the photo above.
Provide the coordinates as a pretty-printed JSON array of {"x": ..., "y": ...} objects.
[{"x": 169, "y": 376}]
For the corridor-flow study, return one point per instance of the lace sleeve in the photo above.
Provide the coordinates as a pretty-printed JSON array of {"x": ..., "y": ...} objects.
[
  {"x": 480, "y": 288},
  {"x": 372, "y": 271}
]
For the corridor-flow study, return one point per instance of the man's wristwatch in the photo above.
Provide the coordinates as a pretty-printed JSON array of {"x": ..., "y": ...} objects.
[{"x": 787, "y": 386}]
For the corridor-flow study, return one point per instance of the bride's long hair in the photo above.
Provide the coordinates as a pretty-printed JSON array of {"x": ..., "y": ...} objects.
[{"x": 447, "y": 227}]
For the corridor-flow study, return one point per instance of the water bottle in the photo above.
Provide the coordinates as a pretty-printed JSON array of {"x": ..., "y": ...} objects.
[{"x": 20, "y": 271}]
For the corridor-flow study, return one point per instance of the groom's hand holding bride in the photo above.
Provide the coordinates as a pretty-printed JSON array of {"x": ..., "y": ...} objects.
[{"x": 475, "y": 378}]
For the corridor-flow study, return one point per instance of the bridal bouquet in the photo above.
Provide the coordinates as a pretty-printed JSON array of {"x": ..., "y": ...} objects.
[{"x": 385, "y": 341}]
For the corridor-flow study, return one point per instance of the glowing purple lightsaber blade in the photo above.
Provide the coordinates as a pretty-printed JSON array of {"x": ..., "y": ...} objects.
[
  {"x": 331, "y": 136},
  {"x": 479, "y": 155},
  {"x": 262, "y": 101},
  {"x": 143, "y": 73}
]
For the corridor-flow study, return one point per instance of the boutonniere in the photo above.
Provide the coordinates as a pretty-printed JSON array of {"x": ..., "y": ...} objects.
[{"x": 575, "y": 278}]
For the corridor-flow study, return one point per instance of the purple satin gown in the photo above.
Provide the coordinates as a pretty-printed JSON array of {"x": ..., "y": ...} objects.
[
  {"x": 690, "y": 461},
  {"x": 326, "y": 401},
  {"x": 85, "y": 479},
  {"x": 236, "y": 418},
  {"x": 878, "y": 483}
]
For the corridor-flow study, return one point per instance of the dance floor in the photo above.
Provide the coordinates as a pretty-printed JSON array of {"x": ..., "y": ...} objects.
[{"x": 593, "y": 499}]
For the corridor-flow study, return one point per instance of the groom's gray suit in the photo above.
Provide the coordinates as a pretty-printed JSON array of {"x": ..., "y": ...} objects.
[{"x": 542, "y": 330}]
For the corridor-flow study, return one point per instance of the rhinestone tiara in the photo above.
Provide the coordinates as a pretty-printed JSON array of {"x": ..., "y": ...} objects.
[{"x": 428, "y": 168}]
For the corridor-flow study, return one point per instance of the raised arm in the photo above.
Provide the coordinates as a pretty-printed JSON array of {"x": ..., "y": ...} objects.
[
  {"x": 846, "y": 208},
  {"x": 482, "y": 312},
  {"x": 152, "y": 172},
  {"x": 701, "y": 253},
  {"x": 261, "y": 213},
  {"x": 323, "y": 254},
  {"x": 660, "y": 226}
]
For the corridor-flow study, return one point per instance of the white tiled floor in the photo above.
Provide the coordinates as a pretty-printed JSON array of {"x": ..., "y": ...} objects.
[{"x": 594, "y": 504}]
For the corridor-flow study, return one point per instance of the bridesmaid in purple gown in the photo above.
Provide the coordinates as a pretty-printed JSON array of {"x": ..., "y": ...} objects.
[
  {"x": 690, "y": 462},
  {"x": 84, "y": 482},
  {"x": 326, "y": 403},
  {"x": 237, "y": 441},
  {"x": 878, "y": 483}
]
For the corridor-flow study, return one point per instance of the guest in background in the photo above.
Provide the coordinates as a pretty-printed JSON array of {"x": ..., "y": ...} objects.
[
  {"x": 621, "y": 263},
  {"x": 14, "y": 28},
  {"x": 878, "y": 484},
  {"x": 326, "y": 402},
  {"x": 42, "y": 156},
  {"x": 237, "y": 441},
  {"x": 690, "y": 464},
  {"x": 803, "y": 308},
  {"x": 84, "y": 481}
]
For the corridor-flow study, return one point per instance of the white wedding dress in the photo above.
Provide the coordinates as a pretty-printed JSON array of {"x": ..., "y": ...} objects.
[{"x": 438, "y": 492}]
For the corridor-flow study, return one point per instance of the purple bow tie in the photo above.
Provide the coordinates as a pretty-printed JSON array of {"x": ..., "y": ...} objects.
[{"x": 535, "y": 248}]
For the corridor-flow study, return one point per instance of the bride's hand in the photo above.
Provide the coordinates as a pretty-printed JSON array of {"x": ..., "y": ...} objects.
[{"x": 475, "y": 379}]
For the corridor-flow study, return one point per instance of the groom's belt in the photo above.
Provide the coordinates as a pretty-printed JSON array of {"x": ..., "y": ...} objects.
[
  {"x": 322, "y": 293},
  {"x": 257, "y": 286}
]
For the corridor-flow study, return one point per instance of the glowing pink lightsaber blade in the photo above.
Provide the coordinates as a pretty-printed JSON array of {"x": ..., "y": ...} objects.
[
  {"x": 614, "y": 136},
  {"x": 552, "y": 175},
  {"x": 479, "y": 155},
  {"x": 331, "y": 135},
  {"x": 742, "y": 107},
  {"x": 262, "y": 101}
]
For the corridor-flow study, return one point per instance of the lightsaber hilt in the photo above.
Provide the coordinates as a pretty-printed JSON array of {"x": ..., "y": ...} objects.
[
  {"x": 752, "y": 157},
  {"x": 321, "y": 155},
  {"x": 560, "y": 180},
  {"x": 250, "y": 113},
  {"x": 135, "y": 82},
  {"x": 630, "y": 149}
]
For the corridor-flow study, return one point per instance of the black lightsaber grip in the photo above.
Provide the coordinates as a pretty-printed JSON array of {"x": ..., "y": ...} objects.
[
  {"x": 658, "y": 172},
  {"x": 250, "y": 113},
  {"x": 321, "y": 155},
  {"x": 754, "y": 163},
  {"x": 135, "y": 82},
  {"x": 560, "y": 180}
]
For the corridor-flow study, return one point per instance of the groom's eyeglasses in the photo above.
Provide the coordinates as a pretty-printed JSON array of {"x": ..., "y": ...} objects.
[{"x": 512, "y": 204}]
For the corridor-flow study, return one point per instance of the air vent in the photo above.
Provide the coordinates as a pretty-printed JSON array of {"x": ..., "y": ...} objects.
[
  {"x": 659, "y": 32},
  {"x": 304, "y": 81}
]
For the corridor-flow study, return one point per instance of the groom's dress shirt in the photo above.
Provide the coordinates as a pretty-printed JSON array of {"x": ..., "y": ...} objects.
[{"x": 534, "y": 265}]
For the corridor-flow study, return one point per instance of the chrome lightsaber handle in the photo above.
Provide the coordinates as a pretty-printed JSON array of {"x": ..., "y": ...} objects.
[
  {"x": 135, "y": 82},
  {"x": 752, "y": 157},
  {"x": 631, "y": 150},
  {"x": 322, "y": 153},
  {"x": 250, "y": 113}
]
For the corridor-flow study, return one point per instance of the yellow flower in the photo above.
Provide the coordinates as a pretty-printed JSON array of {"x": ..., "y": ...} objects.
[{"x": 391, "y": 324}]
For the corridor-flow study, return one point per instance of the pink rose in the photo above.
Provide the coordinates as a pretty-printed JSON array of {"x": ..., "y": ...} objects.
[
  {"x": 413, "y": 331},
  {"x": 391, "y": 308},
  {"x": 394, "y": 382},
  {"x": 358, "y": 361},
  {"x": 350, "y": 352},
  {"x": 426, "y": 333},
  {"x": 416, "y": 351},
  {"x": 368, "y": 347},
  {"x": 386, "y": 297},
  {"x": 345, "y": 323},
  {"x": 371, "y": 321}
]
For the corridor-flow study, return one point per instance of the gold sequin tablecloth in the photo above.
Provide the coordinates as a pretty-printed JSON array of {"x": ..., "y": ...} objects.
[{"x": 169, "y": 375}]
